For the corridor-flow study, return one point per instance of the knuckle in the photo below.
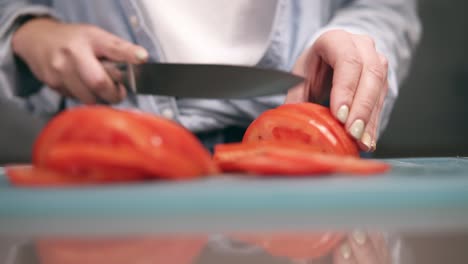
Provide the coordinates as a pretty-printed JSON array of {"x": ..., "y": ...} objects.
[
  {"x": 353, "y": 60},
  {"x": 58, "y": 63},
  {"x": 367, "y": 106},
  {"x": 90, "y": 30},
  {"x": 367, "y": 40},
  {"x": 378, "y": 71}
]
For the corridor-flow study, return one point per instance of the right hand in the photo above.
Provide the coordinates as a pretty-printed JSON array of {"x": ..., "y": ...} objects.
[{"x": 66, "y": 58}]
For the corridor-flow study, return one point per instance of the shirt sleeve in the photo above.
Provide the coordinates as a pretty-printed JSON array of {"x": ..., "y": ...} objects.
[{"x": 396, "y": 29}]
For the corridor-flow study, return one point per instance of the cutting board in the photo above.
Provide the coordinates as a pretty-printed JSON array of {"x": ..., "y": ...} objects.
[{"x": 418, "y": 194}]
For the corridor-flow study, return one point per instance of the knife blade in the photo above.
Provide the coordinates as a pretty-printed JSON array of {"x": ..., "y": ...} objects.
[{"x": 201, "y": 80}]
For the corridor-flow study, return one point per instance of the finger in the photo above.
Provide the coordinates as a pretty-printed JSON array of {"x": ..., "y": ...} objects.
[
  {"x": 95, "y": 78},
  {"x": 344, "y": 255},
  {"x": 370, "y": 86},
  {"x": 381, "y": 246},
  {"x": 369, "y": 139},
  {"x": 76, "y": 88},
  {"x": 362, "y": 248},
  {"x": 114, "y": 48},
  {"x": 347, "y": 65}
]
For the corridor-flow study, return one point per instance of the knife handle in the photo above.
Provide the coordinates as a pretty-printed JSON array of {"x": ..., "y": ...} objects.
[{"x": 121, "y": 73}]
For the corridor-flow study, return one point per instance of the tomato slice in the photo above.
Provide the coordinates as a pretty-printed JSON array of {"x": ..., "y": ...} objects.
[
  {"x": 100, "y": 142},
  {"x": 179, "y": 138},
  {"x": 161, "y": 163},
  {"x": 282, "y": 158},
  {"x": 29, "y": 176},
  {"x": 324, "y": 116},
  {"x": 304, "y": 123},
  {"x": 297, "y": 246}
]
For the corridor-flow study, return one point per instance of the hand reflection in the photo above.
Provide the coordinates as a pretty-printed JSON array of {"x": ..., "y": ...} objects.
[{"x": 362, "y": 248}]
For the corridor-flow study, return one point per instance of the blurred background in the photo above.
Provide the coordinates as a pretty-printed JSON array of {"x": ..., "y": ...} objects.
[{"x": 429, "y": 118}]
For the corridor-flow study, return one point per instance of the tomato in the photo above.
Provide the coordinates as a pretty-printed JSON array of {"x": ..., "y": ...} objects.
[
  {"x": 111, "y": 127},
  {"x": 302, "y": 123},
  {"x": 283, "y": 158},
  {"x": 297, "y": 246},
  {"x": 323, "y": 116},
  {"x": 102, "y": 144},
  {"x": 79, "y": 159},
  {"x": 27, "y": 175}
]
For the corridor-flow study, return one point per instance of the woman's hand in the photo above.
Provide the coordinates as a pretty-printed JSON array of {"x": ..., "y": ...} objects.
[
  {"x": 362, "y": 248},
  {"x": 358, "y": 75},
  {"x": 66, "y": 57}
]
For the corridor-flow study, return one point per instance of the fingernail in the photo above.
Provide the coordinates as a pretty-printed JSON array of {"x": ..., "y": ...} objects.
[
  {"x": 367, "y": 140},
  {"x": 359, "y": 237},
  {"x": 356, "y": 129},
  {"x": 342, "y": 113},
  {"x": 345, "y": 251},
  {"x": 373, "y": 145},
  {"x": 141, "y": 54}
]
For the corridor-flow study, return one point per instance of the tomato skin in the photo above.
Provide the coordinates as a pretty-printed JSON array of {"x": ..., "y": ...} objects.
[
  {"x": 271, "y": 158},
  {"x": 297, "y": 246}
]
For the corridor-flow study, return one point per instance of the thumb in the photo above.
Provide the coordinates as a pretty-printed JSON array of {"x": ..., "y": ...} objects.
[{"x": 111, "y": 47}]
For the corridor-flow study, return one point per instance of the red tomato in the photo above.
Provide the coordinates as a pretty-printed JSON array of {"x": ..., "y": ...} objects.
[
  {"x": 302, "y": 123},
  {"x": 297, "y": 246},
  {"x": 323, "y": 116},
  {"x": 27, "y": 175},
  {"x": 80, "y": 159},
  {"x": 283, "y": 158},
  {"x": 107, "y": 145}
]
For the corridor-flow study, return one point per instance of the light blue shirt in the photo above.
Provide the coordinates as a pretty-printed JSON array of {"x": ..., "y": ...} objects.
[{"x": 392, "y": 23}]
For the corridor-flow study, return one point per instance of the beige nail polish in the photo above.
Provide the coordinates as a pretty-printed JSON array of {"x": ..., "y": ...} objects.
[
  {"x": 373, "y": 145},
  {"x": 141, "y": 54},
  {"x": 359, "y": 237},
  {"x": 345, "y": 251},
  {"x": 367, "y": 140},
  {"x": 356, "y": 129},
  {"x": 342, "y": 113}
]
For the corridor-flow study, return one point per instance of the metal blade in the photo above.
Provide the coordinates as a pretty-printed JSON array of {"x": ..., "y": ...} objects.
[{"x": 205, "y": 80}]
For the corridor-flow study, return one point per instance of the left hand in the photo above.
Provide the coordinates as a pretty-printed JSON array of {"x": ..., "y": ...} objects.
[
  {"x": 362, "y": 248},
  {"x": 358, "y": 75}
]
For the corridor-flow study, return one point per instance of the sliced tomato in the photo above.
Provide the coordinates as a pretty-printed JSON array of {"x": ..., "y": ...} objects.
[
  {"x": 29, "y": 176},
  {"x": 280, "y": 125},
  {"x": 324, "y": 116},
  {"x": 162, "y": 163},
  {"x": 179, "y": 138},
  {"x": 304, "y": 123},
  {"x": 283, "y": 158},
  {"x": 297, "y": 246}
]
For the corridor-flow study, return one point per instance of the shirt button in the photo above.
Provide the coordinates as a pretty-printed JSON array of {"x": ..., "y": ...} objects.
[
  {"x": 134, "y": 21},
  {"x": 168, "y": 113}
]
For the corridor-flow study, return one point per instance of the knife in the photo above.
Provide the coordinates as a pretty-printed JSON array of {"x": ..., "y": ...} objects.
[{"x": 200, "y": 80}]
